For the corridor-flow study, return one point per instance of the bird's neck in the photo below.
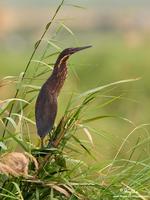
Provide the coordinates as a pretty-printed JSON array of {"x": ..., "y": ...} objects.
[{"x": 57, "y": 79}]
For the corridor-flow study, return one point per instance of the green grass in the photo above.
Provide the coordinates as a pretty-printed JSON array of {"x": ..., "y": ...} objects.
[{"x": 101, "y": 133}]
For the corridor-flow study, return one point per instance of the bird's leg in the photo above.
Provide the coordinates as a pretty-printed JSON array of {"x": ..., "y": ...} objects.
[
  {"x": 50, "y": 138},
  {"x": 42, "y": 143}
]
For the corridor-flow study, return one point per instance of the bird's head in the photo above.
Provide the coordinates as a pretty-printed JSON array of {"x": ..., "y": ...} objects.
[{"x": 68, "y": 52}]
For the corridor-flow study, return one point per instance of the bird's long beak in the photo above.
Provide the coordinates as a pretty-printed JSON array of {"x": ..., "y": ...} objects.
[
  {"x": 68, "y": 52},
  {"x": 74, "y": 50}
]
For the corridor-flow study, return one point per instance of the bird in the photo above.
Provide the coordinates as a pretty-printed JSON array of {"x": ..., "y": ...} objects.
[{"x": 46, "y": 103}]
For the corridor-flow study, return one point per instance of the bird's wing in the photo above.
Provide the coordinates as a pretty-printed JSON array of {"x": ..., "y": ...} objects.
[{"x": 45, "y": 111}]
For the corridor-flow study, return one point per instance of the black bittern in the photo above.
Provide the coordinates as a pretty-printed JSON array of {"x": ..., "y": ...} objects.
[{"x": 46, "y": 104}]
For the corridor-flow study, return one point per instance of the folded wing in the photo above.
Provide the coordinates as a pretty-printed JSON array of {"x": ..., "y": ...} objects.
[{"x": 45, "y": 111}]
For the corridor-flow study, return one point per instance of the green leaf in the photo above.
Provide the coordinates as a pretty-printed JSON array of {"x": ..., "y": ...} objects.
[
  {"x": 3, "y": 146},
  {"x": 19, "y": 141},
  {"x": 66, "y": 28},
  {"x": 23, "y": 117},
  {"x": 19, "y": 193},
  {"x": 76, "y": 6},
  {"x": 9, "y": 194},
  {"x": 32, "y": 86},
  {"x": 54, "y": 45},
  {"x": 83, "y": 146},
  {"x": 12, "y": 121},
  {"x": 43, "y": 63},
  {"x": 4, "y": 104},
  {"x": 52, "y": 54},
  {"x": 19, "y": 82},
  {"x": 98, "y": 89}
]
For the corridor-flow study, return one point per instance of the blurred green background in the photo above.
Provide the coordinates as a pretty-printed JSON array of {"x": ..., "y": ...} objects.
[{"x": 120, "y": 34}]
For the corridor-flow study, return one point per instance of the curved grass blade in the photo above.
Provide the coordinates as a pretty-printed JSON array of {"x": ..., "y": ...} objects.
[{"x": 98, "y": 89}]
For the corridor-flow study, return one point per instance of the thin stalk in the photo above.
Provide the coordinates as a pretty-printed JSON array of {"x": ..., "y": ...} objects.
[{"x": 29, "y": 62}]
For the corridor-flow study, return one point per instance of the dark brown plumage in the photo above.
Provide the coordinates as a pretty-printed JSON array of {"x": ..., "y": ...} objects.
[{"x": 46, "y": 104}]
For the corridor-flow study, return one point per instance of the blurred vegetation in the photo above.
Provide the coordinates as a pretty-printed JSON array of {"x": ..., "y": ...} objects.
[{"x": 111, "y": 145}]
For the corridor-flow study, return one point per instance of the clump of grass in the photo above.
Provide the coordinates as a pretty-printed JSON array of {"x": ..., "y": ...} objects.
[{"x": 60, "y": 173}]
